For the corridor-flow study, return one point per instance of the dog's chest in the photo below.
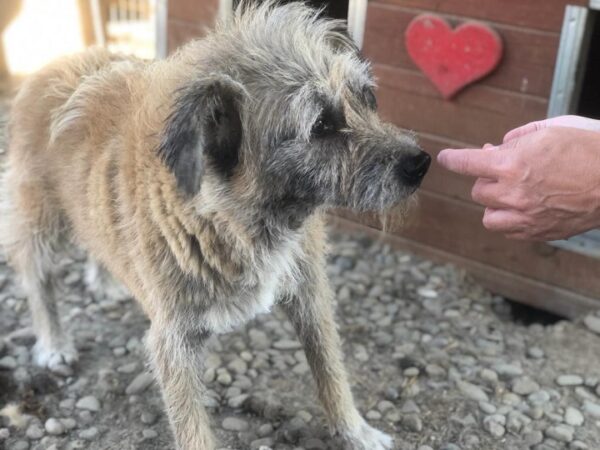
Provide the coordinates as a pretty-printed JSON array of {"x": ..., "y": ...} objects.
[{"x": 275, "y": 275}]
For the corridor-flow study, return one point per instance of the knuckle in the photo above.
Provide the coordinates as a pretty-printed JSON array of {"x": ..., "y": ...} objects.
[
  {"x": 477, "y": 192},
  {"x": 489, "y": 222}
]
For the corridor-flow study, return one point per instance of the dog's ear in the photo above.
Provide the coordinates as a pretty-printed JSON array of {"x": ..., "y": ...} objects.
[{"x": 204, "y": 128}]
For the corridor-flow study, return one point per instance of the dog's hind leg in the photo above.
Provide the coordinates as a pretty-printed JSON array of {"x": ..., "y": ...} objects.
[
  {"x": 29, "y": 232},
  {"x": 176, "y": 355},
  {"x": 311, "y": 314}
]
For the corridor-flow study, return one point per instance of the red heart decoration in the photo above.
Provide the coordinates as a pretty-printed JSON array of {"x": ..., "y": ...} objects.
[{"x": 452, "y": 59}]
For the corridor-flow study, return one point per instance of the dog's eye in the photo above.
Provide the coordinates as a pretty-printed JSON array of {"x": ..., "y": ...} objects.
[{"x": 323, "y": 127}]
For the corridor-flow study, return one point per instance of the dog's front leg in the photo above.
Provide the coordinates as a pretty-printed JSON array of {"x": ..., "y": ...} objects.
[
  {"x": 176, "y": 354},
  {"x": 311, "y": 313}
]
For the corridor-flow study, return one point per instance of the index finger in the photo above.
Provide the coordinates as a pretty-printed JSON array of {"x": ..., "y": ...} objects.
[{"x": 472, "y": 162}]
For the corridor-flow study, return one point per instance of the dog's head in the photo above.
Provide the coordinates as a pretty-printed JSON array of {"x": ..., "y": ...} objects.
[{"x": 282, "y": 116}]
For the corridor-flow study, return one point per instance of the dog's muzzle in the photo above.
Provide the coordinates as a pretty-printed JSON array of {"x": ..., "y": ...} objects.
[{"x": 411, "y": 169}]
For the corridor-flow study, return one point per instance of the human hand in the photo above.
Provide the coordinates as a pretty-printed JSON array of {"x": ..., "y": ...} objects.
[
  {"x": 543, "y": 183},
  {"x": 581, "y": 123}
]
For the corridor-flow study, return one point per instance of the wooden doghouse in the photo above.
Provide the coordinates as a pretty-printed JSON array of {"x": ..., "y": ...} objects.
[{"x": 550, "y": 66}]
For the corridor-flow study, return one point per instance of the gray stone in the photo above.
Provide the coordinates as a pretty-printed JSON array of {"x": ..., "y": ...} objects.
[
  {"x": 472, "y": 391},
  {"x": 287, "y": 344},
  {"x": 148, "y": 434},
  {"x": 314, "y": 444},
  {"x": 148, "y": 418},
  {"x": 54, "y": 426},
  {"x": 593, "y": 409},
  {"x": 524, "y": 386},
  {"x": 69, "y": 423},
  {"x": 139, "y": 384},
  {"x": 487, "y": 407},
  {"x": 8, "y": 363},
  {"x": 412, "y": 422},
  {"x": 373, "y": 415},
  {"x": 20, "y": 445},
  {"x": 533, "y": 437},
  {"x": 508, "y": 370},
  {"x": 562, "y": 433},
  {"x": 34, "y": 432},
  {"x": 224, "y": 377},
  {"x": 569, "y": 380},
  {"x": 573, "y": 417},
  {"x": 261, "y": 444},
  {"x": 128, "y": 368},
  {"x": 593, "y": 323},
  {"x": 89, "y": 403},
  {"x": 265, "y": 430},
  {"x": 489, "y": 375},
  {"x": 539, "y": 398},
  {"x": 89, "y": 434},
  {"x": 535, "y": 353},
  {"x": 411, "y": 372},
  {"x": 494, "y": 425},
  {"x": 409, "y": 406},
  {"x": 234, "y": 424}
]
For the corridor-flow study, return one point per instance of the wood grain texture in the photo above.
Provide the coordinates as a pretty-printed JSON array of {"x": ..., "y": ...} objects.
[
  {"x": 203, "y": 11},
  {"x": 544, "y": 15},
  {"x": 479, "y": 115},
  {"x": 527, "y": 65},
  {"x": 180, "y": 33}
]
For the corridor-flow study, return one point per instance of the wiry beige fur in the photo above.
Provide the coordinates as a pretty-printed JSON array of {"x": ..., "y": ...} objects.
[{"x": 84, "y": 164}]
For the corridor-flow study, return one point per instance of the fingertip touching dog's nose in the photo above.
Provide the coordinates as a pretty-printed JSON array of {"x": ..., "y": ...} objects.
[{"x": 412, "y": 169}]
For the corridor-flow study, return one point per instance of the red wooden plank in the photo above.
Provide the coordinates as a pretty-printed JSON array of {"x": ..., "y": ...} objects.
[
  {"x": 478, "y": 115},
  {"x": 538, "y": 14}
]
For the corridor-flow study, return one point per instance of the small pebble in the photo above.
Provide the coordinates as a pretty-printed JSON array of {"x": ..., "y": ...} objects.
[
  {"x": 573, "y": 417},
  {"x": 54, "y": 426},
  {"x": 472, "y": 391},
  {"x": 89, "y": 434},
  {"x": 139, "y": 384},
  {"x": 148, "y": 434},
  {"x": 89, "y": 403},
  {"x": 569, "y": 380},
  {"x": 524, "y": 386},
  {"x": 234, "y": 424},
  {"x": 562, "y": 433}
]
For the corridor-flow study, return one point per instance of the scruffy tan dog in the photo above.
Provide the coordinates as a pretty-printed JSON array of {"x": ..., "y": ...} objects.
[{"x": 200, "y": 182}]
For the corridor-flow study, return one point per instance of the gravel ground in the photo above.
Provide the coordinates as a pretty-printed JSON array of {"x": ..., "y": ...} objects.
[{"x": 434, "y": 359}]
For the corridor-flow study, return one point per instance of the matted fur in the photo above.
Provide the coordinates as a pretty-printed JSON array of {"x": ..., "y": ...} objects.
[{"x": 200, "y": 182}]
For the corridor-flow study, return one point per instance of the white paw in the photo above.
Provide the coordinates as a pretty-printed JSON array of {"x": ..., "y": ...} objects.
[
  {"x": 365, "y": 437},
  {"x": 57, "y": 359}
]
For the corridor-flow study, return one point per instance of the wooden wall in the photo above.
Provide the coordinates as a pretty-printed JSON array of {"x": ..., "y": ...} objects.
[
  {"x": 448, "y": 225},
  {"x": 188, "y": 19}
]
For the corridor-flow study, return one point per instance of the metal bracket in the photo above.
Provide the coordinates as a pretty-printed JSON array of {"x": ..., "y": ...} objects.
[
  {"x": 573, "y": 41},
  {"x": 162, "y": 8},
  {"x": 225, "y": 9},
  {"x": 357, "y": 18}
]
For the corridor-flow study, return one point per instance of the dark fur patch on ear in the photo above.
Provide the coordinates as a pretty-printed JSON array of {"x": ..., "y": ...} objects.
[
  {"x": 222, "y": 145},
  {"x": 204, "y": 126}
]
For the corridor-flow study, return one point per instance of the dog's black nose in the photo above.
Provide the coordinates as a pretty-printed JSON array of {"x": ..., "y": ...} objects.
[{"x": 412, "y": 169}]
